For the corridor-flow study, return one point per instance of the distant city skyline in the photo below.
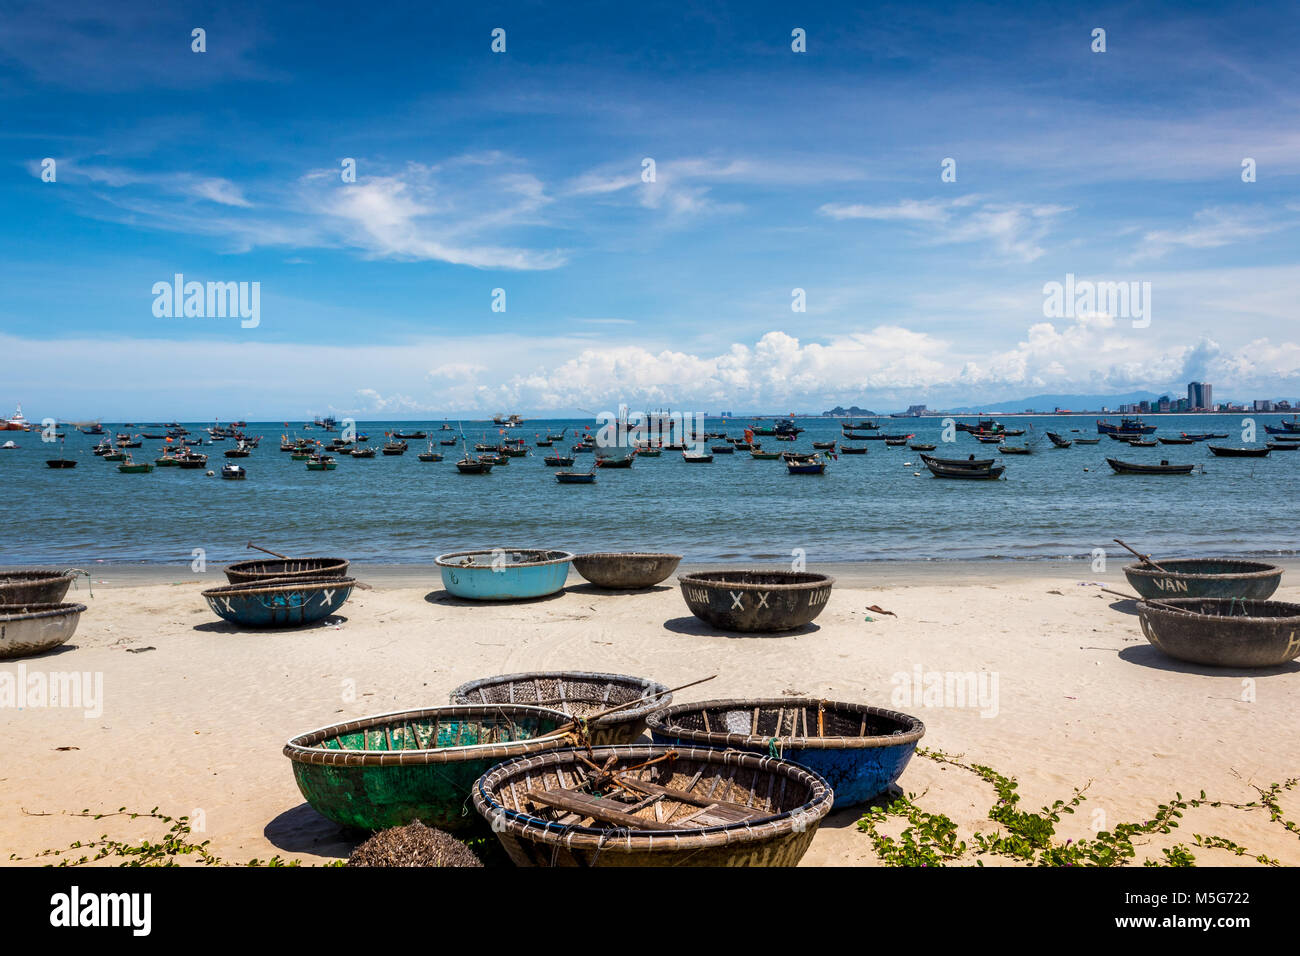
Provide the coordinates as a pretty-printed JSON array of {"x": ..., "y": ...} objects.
[{"x": 653, "y": 205}]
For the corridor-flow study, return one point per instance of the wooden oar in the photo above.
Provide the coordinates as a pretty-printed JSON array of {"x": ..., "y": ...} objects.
[
  {"x": 565, "y": 728},
  {"x": 260, "y": 548},
  {"x": 1146, "y": 558},
  {"x": 1152, "y": 601}
]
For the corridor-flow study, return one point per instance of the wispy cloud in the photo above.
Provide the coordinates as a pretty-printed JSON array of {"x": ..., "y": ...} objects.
[
  {"x": 1015, "y": 229},
  {"x": 1211, "y": 229}
]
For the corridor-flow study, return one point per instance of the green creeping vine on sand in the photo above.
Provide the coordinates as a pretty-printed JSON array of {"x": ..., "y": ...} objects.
[
  {"x": 175, "y": 843},
  {"x": 931, "y": 839}
]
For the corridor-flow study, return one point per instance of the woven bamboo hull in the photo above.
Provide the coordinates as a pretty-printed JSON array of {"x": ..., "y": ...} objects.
[
  {"x": 38, "y": 586},
  {"x": 755, "y": 600},
  {"x": 781, "y": 851},
  {"x": 34, "y": 628},
  {"x": 1205, "y": 577},
  {"x": 1219, "y": 634},
  {"x": 392, "y": 769},
  {"x": 576, "y": 694},
  {"x": 862, "y": 754},
  {"x": 279, "y": 603},
  {"x": 788, "y": 804}
]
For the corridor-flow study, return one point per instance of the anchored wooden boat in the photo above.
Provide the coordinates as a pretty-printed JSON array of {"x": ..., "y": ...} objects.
[
  {"x": 1226, "y": 451},
  {"x": 321, "y": 463},
  {"x": 1087, "y": 441},
  {"x": 35, "y": 585},
  {"x": 1282, "y": 446},
  {"x": 969, "y": 468},
  {"x": 1176, "y": 441},
  {"x": 1223, "y": 632},
  {"x": 362, "y": 453},
  {"x": 970, "y": 462},
  {"x": 467, "y": 467},
  {"x": 759, "y": 455},
  {"x": 824, "y": 445},
  {"x": 192, "y": 462},
  {"x": 417, "y": 435},
  {"x": 32, "y": 628},
  {"x": 652, "y": 806},
  {"x": 390, "y": 769},
  {"x": 615, "y": 461},
  {"x": 558, "y": 461},
  {"x": 1058, "y": 441},
  {"x": 394, "y": 448},
  {"x": 696, "y": 458},
  {"x": 233, "y": 472},
  {"x": 855, "y": 449},
  {"x": 723, "y": 449},
  {"x": 915, "y": 446},
  {"x": 1136, "y": 468},
  {"x": 756, "y": 600},
  {"x": 60, "y": 463},
  {"x": 1015, "y": 449},
  {"x": 860, "y": 750},
  {"x": 577, "y": 694},
  {"x": 1205, "y": 578},
  {"x": 575, "y": 477},
  {"x": 625, "y": 570},
  {"x": 1142, "y": 443},
  {"x": 503, "y": 574},
  {"x": 129, "y": 467},
  {"x": 279, "y": 602},
  {"x": 809, "y": 467}
]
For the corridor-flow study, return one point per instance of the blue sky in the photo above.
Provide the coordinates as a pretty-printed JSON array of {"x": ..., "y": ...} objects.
[{"x": 522, "y": 171}]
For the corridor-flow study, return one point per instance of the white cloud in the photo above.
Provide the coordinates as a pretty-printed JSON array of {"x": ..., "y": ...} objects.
[{"x": 1016, "y": 229}]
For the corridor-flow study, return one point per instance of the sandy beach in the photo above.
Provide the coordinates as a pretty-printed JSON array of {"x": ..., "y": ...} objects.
[{"x": 194, "y": 713}]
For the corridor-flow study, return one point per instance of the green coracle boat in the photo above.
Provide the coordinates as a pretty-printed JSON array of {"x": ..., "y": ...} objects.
[
  {"x": 129, "y": 467},
  {"x": 390, "y": 769}
]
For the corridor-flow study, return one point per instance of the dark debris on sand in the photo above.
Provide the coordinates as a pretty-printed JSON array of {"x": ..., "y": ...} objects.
[{"x": 413, "y": 845}]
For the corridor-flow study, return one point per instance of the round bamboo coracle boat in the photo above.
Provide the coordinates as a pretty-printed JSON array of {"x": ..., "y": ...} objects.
[
  {"x": 652, "y": 806},
  {"x": 1223, "y": 632},
  {"x": 1205, "y": 577},
  {"x": 279, "y": 602},
  {"x": 27, "y": 629},
  {"x": 503, "y": 574},
  {"x": 35, "y": 585},
  {"x": 625, "y": 570},
  {"x": 577, "y": 694},
  {"x": 762, "y": 600},
  {"x": 390, "y": 769},
  {"x": 859, "y": 749},
  {"x": 248, "y": 572}
]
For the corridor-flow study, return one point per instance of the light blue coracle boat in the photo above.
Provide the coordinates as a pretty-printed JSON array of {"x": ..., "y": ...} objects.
[{"x": 503, "y": 574}]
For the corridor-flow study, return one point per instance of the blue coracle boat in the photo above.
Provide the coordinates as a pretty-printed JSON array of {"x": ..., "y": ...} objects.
[
  {"x": 280, "y": 602},
  {"x": 860, "y": 750},
  {"x": 503, "y": 574}
]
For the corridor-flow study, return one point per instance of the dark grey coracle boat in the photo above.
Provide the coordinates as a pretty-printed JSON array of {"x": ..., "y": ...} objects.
[
  {"x": 35, "y": 585},
  {"x": 756, "y": 600},
  {"x": 652, "y": 806},
  {"x": 250, "y": 572},
  {"x": 577, "y": 694},
  {"x": 1223, "y": 632},
  {"x": 1227, "y": 451},
  {"x": 1205, "y": 578},
  {"x": 625, "y": 570}
]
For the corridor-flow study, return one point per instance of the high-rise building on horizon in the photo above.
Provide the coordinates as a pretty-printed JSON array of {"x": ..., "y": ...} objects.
[{"x": 1199, "y": 397}]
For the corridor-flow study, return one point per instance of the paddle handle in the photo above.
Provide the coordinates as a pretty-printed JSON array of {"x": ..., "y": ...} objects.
[
  {"x": 1146, "y": 558},
  {"x": 631, "y": 703},
  {"x": 1151, "y": 601},
  {"x": 267, "y": 551}
]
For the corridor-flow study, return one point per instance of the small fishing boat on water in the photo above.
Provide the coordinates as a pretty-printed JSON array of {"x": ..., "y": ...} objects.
[
  {"x": 1142, "y": 443},
  {"x": 855, "y": 449},
  {"x": 1136, "y": 468},
  {"x": 915, "y": 446},
  {"x": 970, "y": 468},
  {"x": 362, "y": 453},
  {"x": 558, "y": 461},
  {"x": 1087, "y": 441},
  {"x": 724, "y": 449},
  {"x": 429, "y": 455},
  {"x": 824, "y": 445},
  {"x": 395, "y": 448},
  {"x": 466, "y": 466},
  {"x": 60, "y": 463},
  {"x": 814, "y": 466},
  {"x": 696, "y": 457},
  {"x": 759, "y": 455},
  {"x": 1227, "y": 451},
  {"x": 1282, "y": 446},
  {"x": 1058, "y": 441},
  {"x": 129, "y": 467},
  {"x": 1131, "y": 426},
  {"x": 615, "y": 461},
  {"x": 234, "y": 472},
  {"x": 1177, "y": 441},
  {"x": 417, "y": 435},
  {"x": 192, "y": 462},
  {"x": 321, "y": 463},
  {"x": 575, "y": 477}
]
